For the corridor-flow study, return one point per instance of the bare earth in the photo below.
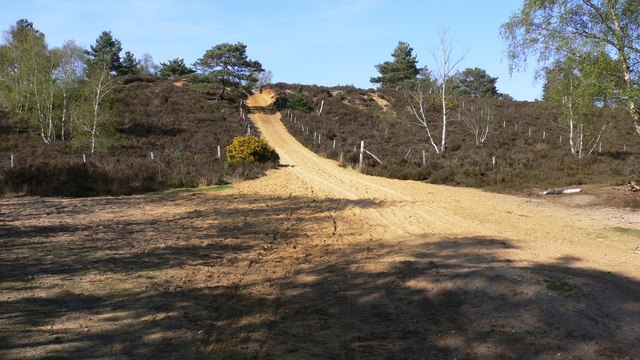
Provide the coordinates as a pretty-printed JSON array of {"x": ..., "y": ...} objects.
[{"x": 315, "y": 261}]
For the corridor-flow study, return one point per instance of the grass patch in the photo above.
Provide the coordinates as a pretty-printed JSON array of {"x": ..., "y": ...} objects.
[
  {"x": 206, "y": 189},
  {"x": 627, "y": 231},
  {"x": 17, "y": 286},
  {"x": 559, "y": 286}
]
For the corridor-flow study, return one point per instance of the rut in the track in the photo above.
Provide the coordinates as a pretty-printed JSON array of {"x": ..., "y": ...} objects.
[
  {"x": 389, "y": 208},
  {"x": 406, "y": 210}
]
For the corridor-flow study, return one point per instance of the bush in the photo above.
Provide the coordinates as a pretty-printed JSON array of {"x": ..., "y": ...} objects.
[
  {"x": 247, "y": 149},
  {"x": 298, "y": 102}
]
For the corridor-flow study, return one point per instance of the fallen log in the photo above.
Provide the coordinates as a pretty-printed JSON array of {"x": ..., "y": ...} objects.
[{"x": 561, "y": 191}]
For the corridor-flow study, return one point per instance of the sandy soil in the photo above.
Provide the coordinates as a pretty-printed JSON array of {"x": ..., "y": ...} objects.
[{"x": 315, "y": 261}]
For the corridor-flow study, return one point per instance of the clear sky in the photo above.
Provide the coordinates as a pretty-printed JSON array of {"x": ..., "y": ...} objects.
[{"x": 323, "y": 42}]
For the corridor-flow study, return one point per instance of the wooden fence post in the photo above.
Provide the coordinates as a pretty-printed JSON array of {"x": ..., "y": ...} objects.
[
  {"x": 334, "y": 144},
  {"x": 11, "y": 160},
  {"x": 151, "y": 155},
  {"x": 84, "y": 158},
  {"x": 424, "y": 158},
  {"x": 361, "y": 153},
  {"x": 219, "y": 155}
]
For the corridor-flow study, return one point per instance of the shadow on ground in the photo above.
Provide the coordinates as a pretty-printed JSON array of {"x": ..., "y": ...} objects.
[{"x": 245, "y": 277}]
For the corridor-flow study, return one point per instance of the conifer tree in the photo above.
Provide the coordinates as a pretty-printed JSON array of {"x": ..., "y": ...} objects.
[{"x": 403, "y": 67}]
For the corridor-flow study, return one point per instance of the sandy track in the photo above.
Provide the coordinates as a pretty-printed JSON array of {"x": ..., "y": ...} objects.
[{"x": 402, "y": 211}]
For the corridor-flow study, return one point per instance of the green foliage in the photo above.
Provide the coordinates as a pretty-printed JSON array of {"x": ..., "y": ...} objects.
[
  {"x": 27, "y": 67},
  {"x": 298, "y": 102},
  {"x": 476, "y": 83},
  {"x": 130, "y": 65},
  {"x": 248, "y": 149},
  {"x": 52, "y": 90},
  {"x": 94, "y": 119},
  {"x": 593, "y": 75},
  {"x": 228, "y": 64},
  {"x": 628, "y": 231},
  {"x": 581, "y": 85},
  {"x": 554, "y": 30},
  {"x": 402, "y": 68},
  {"x": 175, "y": 67},
  {"x": 106, "y": 53},
  {"x": 559, "y": 286}
]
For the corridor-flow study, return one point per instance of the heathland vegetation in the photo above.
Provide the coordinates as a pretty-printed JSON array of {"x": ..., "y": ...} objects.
[{"x": 80, "y": 122}]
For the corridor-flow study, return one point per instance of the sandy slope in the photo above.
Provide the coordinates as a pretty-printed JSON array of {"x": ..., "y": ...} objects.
[{"x": 403, "y": 211}]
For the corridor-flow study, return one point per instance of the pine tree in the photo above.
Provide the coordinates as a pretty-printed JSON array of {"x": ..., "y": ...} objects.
[
  {"x": 229, "y": 66},
  {"x": 476, "y": 83},
  {"x": 129, "y": 65},
  {"x": 403, "y": 67},
  {"x": 175, "y": 67},
  {"x": 106, "y": 51}
]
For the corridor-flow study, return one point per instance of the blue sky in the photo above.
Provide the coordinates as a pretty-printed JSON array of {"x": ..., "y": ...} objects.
[{"x": 324, "y": 42}]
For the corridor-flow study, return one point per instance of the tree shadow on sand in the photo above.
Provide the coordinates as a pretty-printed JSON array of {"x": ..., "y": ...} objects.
[{"x": 236, "y": 288}]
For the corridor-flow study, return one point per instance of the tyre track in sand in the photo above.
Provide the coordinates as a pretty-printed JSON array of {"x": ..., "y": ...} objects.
[
  {"x": 405, "y": 212},
  {"x": 402, "y": 215}
]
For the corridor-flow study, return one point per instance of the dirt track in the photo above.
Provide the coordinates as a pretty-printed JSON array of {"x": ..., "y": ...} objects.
[
  {"x": 317, "y": 261},
  {"x": 405, "y": 211}
]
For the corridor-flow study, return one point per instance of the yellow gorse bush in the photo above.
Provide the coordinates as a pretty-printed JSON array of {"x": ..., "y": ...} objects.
[{"x": 247, "y": 149}]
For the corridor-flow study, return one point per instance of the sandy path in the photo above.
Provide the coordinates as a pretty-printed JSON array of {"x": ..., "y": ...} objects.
[{"x": 406, "y": 212}]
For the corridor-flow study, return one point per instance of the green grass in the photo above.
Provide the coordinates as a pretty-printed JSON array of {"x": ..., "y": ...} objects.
[
  {"x": 628, "y": 231},
  {"x": 559, "y": 286},
  {"x": 207, "y": 189}
]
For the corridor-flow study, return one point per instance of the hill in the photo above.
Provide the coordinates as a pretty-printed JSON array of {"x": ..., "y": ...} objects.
[
  {"x": 166, "y": 135},
  {"x": 526, "y": 139}
]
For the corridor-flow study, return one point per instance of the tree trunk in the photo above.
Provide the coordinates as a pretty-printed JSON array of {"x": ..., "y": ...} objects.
[
  {"x": 224, "y": 86},
  {"x": 573, "y": 147},
  {"x": 444, "y": 116},
  {"x": 64, "y": 114},
  {"x": 580, "y": 141}
]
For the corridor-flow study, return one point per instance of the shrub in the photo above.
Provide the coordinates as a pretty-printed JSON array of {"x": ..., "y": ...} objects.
[
  {"x": 247, "y": 149},
  {"x": 298, "y": 102}
]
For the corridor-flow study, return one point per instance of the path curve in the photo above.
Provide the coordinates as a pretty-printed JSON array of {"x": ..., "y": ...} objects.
[{"x": 409, "y": 211}]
